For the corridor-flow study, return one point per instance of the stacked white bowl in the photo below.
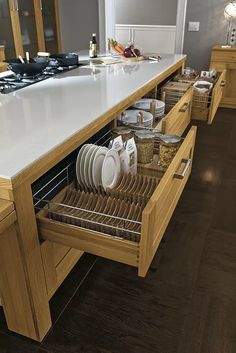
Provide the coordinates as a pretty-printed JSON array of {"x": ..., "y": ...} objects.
[
  {"x": 134, "y": 117},
  {"x": 146, "y": 105}
]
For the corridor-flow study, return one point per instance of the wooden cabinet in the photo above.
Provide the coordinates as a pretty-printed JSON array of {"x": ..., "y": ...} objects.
[
  {"x": 225, "y": 59},
  {"x": 29, "y": 25}
]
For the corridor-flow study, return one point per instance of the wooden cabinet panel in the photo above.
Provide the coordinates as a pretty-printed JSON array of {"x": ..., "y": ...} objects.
[{"x": 225, "y": 59}]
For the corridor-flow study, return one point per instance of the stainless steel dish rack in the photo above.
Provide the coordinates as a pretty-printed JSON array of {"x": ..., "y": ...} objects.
[{"x": 66, "y": 202}]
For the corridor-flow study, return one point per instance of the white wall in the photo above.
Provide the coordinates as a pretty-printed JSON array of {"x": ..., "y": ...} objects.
[{"x": 146, "y": 12}]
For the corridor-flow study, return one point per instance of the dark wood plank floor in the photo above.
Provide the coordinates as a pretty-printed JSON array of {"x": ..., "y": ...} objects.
[{"x": 187, "y": 302}]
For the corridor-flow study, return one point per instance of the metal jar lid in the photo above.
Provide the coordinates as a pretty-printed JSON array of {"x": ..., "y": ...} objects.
[
  {"x": 170, "y": 139},
  {"x": 144, "y": 134},
  {"x": 121, "y": 131}
]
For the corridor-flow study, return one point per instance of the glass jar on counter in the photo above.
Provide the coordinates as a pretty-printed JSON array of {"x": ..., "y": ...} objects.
[
  {"x": 144, "y": 140},
  {"x": 122, "y": 131},
  {"x": 169, "y": 145}
]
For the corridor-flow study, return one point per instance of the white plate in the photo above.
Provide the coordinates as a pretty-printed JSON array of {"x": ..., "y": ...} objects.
[
  {"x": 82, "y": 161},
  {"x": 97, "y": 166},
  {"x": 130, "y": 116},
  {"x": 86, "y": 165},
  {"x": 145, "y": 103},
  {"x": 90, "y": 166},
  {"x": 78, "y": 162},
  {"x": 111, "y": 169}
]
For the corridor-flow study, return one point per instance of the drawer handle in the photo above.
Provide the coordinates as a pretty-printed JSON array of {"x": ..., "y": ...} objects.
[
  {"x": 223, "y": 83},
  {"x": 182, "y": 175},
  {"x": 184, "y": 108}
]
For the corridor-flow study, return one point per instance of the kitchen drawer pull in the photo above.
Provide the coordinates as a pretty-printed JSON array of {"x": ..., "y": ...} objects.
[
  {"x": 184, "y": 108},
  {"x": 182, "y": 175},
  {"x": 223, "y": 83}
]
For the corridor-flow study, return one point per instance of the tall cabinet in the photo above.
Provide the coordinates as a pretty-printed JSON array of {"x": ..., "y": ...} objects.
[
  {"x": 29, "y": 25},
  {"x": 225, "y": 59}
]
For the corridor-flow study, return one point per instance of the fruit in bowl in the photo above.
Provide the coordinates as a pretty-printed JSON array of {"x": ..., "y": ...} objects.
[
  {"x": 128, "y": 52},
  {"x": 131, "y": 52}
]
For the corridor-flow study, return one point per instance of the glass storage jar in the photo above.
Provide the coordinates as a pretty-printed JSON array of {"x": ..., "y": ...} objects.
[
  {"x": 169, "y": 145},
  {"x": 144, "y": 140},
  {"x": 122, "y": 131}
]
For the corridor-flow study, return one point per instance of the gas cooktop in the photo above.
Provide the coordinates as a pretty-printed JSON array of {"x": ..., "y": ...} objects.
[{"x": 15, "y": 82}]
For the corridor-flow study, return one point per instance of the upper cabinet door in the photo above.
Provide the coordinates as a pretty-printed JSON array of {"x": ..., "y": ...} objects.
[
  {"x": 6, "y": 33},
  {"x": 28, "y": 29},
  {"x": 50, "y": 25}
]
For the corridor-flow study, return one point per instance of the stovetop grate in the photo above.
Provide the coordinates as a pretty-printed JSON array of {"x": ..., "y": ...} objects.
[{"x": 14, "y": 82}]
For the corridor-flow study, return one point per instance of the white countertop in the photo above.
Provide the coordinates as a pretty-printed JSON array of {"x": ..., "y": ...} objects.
[{"x": 36, "y": 119}]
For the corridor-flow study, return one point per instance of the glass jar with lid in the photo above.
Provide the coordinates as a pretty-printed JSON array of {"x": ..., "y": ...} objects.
[
  {"x": 144, "y": 140},
  {"x": 169, "y": 145},
  {"x": 122, "y": 131}
]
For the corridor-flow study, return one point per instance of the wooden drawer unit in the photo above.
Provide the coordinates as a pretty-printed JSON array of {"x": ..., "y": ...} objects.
[
  {"x": 155, "y": 217},
  {"x": 225, "y": 59},
  {"x": 205, "y": 105},
  {"x": 177, "y": 120}
]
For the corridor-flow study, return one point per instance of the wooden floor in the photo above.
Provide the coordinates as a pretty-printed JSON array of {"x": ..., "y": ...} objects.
[{"x": 187, "y": 302}]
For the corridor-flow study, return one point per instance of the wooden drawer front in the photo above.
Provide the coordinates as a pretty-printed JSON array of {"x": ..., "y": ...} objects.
[
  {"x": 58, "y": 261},
  {"x": 161, "y": 206},
  {"x": 155, "y": 218},
  {"x": 217, "y": 93},
  {"x": 176, "y": 121},
  {"x": 224, "y": 56}
]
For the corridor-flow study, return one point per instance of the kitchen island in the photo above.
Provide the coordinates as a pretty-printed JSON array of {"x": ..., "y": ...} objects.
[{"x": 39, "y": 126}]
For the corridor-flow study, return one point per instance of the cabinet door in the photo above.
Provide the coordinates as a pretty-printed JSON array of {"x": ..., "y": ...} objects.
[
  {"x": 50, "y": 25},
  {"x": 28, "y": 29},
  {"x": 6, "y": 33}
]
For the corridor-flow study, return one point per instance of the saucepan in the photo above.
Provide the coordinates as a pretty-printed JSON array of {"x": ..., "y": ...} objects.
[
  {"x": 66, "y": 59},
  {"x": 26, "y": 69}
]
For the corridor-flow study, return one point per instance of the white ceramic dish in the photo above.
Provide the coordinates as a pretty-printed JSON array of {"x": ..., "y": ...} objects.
[
  {"x": 131, "y": 117},
  {"x": 82, "y": 162},
  {"x": 145, "y": 103},
  {"x": 97, "y": 166},
  {"x": 87, "y": 158},
  {"x": 78, "y": 162},
  {"x": 90, "y": 166},
  {"x": 111, "y": 169}
]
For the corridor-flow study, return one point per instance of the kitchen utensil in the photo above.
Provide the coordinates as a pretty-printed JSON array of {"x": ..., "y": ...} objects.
[
  {"x": 21, "y": 59},
  {"x": 69, "y": 59},
  {"x": 24, "y": 69},
  {"x": 27, "y": 57}
]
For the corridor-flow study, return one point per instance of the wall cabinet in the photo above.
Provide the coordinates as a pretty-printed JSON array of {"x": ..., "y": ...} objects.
[
  {"x": 29, "y": 25},
  {"x": 225, "y": 59}
]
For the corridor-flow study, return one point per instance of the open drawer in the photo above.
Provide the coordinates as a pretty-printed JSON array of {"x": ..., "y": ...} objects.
[
  {"x": 178, "y": 118},
  {"x": 154, "y": 219},
  {"x": 205, "y": 105}
]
